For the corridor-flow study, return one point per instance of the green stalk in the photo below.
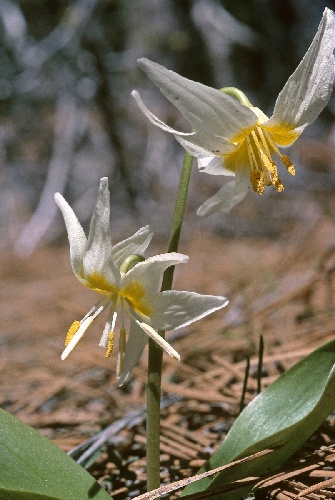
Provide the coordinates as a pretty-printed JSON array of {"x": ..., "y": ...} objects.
[{"x": 155, "y": 352}]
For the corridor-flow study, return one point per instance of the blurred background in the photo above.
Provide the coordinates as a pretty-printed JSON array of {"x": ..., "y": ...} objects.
[
  {"x": 67, "y": 69},
  {"x": 67, "y": 116}
]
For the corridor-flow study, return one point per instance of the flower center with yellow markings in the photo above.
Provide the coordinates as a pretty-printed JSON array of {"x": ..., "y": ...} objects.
[
  {"x": 256, "y": 152},
  {"x": 257, "y": 145},
  {"x": 134, "y": 293},
  {"x": 99, "y": 283}
]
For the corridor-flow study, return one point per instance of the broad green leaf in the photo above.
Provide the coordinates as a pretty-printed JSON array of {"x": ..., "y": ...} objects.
[
  {"x": 284, "y": 415},
  {"x": 33, "y": 468}
]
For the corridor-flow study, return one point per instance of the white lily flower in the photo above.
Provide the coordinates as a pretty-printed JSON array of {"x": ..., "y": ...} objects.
[
  {"x": 234, "y": 138},
  {"x": 128, "y": 284}
]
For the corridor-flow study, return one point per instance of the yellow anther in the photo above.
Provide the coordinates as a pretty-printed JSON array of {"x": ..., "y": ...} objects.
[
  {"x": 257, "y": 181},
  {"x": 72, "y": 330},
  {"x": 275, "y": 177},
  {"x": 279, "y": 185},
  {"x": 110, "y": 344},
  {"x": 288, "y": 164},
  {"x": 269, "y": 170}
]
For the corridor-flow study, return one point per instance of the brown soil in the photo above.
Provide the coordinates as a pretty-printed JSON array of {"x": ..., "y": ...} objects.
[{"x": 280, "y": 289}]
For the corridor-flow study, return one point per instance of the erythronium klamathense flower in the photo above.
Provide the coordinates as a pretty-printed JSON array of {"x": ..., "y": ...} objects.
[
  {"x": 231, "y": 137},
  {"x": 128, "y": 284}
]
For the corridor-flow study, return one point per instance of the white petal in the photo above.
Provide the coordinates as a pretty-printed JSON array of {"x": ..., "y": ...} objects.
[
  {"x": 228, "y": 196},
  {"x": 308, "y": 89},
  {"x": 76, "y": 235},
  {"x": 154, "y": 119},
  {"x": 159, "y": 340},
  {"x": 149, "y": 272},
  {"x": 97, "y": 258},
  {"x": 137, "y": 340},
  {"x": 207, "y": 109},
  {"x": 203, "y": 144},
  {"x": 76, "y": 337},
  {"x": 175, "y": 309},
  {"x": 136, "y": 244},
  {"x": 109, "y": 327},
  {"x": 213, "y": 165},
  {"x": 193, "y": 149}
]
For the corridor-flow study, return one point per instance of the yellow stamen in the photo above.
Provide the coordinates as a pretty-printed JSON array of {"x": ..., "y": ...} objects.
[
  {"x": 264, "y": 142},
  {"x": 251, "y": 154},
  {"x": 110, "y": 344},
  {"x": 271, "y": 168},
  {"x": 260, "y": 147},
  {"x": 288, "y": 164},
  {"x": 71, "y": 332},
  {"x": 279, "y": 185},
  {"x": 257, "y": 181},
  {"x": 267, "y": 169}
]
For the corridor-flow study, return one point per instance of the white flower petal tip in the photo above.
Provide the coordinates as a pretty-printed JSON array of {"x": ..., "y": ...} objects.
[
  {"x": 57, "y": 197},
  {"x": 308, "y": 89},
  {"x": 76, "y": 235},
  {"x": 176, "y": 309},
  {"x": 159, "y": 340},
  {"x": 154, "y": 119}
]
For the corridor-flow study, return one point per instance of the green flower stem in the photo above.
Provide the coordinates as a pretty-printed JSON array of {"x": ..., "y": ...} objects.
[
  {"x": 155, "y": 352},
  {"x": 178, "y": 218}
]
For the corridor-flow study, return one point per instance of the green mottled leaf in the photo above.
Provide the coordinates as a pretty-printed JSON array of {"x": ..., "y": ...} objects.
[
  {"x": 283, "y": 416},
  {"x": 33, "y": 468}
]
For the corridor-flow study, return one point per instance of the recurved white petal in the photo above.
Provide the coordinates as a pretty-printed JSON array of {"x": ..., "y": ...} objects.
[
  {"x": 135, "y": 244},
  {"x": 149, "y": 272},
  {"x": 308, "y": 89},
  {"x": 202, "y": 144},
  {"x": 175, "y": 309},
  {"x": 97, "y": 258},
  {"x": 207, "y": 109},
  {"x": 154, "y": 119},
  {"x": 136, "y": 342},
  {"x": 194, "y": 150},
  {"x": 228, "y": 196},
  {"x": 76, "y": 235}
]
